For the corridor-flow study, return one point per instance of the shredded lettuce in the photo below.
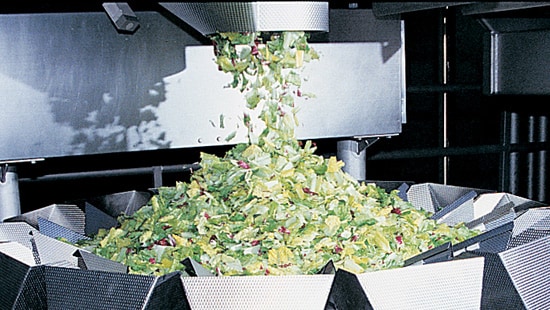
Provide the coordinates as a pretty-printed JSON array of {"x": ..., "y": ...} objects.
[{"x": 271, "y": 206}]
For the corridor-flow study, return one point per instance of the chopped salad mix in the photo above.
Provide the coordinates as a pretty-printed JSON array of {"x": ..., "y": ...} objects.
[{"x": 271, "y": 206}]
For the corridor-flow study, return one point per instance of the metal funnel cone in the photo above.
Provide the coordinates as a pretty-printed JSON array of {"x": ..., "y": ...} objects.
[{"x": 263, "y": 16}]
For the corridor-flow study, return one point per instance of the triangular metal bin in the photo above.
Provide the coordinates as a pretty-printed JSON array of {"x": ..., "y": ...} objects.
[
  {"x": 69, "y": 288},
  {"x": 97, "y": 219},
  {"x": 103, "y": 211},
  {"x": 483, "y": 211},
  {"x": 67, "y": 215},
  {"x": 498, "y": 290},
  {"x": 56, "y": 231},
  {"x": 531, "y": 225},
  {"x": 23, "y": 286},
  {"x": 492, "y": 241},
  {"x": 529, "y": 268},
  {"x": 121, "y": 203},
  {"x": 17, "y": 232},
  {"x": 516, "y": 273},
  {"x": 89, "y": 261},
  {"x": 206, "y": 291},
  {"x": 526, "y": 226},
  {"x": 494, "y": 209},
  {"x": 518, "y": 278},
  {"x": 194, "y": 269},
  {"x": 434, "y": 197},
  {"x": 442, "y": 285},
  {"x": 35, "y": 247},
  {"x": 460, "y": 210},
  {"x": 44, "y": 249},
  {"x": 258, "y": 292},
  {"x": 40, "y": 272}
]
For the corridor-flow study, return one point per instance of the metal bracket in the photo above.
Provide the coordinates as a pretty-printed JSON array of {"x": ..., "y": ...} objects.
[
  {"x": 157, "y": 176},
  {"x": 362, "y": 144},
  {"x": 4, "y": 172}
]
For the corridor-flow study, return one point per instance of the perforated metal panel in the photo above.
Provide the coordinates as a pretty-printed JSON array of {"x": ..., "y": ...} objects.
[
  {"x": 33, "y": 293},
  {"x": 17, "y": 232},
  {"x": 443, "y": 285},
  {"x": 498, "y": 290},
  {"x": 258, "y": 292},
  {"x": 54, "y": 230},
  {"x": 531, "y": 225},
  {"x": 33, "y": 248},
  {"x": 460, "y": 210},
  {"x": 18, "y": 252},
  {"x": 492, "y": 241},
  {"x": 211, "y": 17},
  {"x": 529, "y": 267},
  {"x": 66, "y": 215},
  {"x": 434, "y": 197},
  {"x": 85, "y": 289},
  {"x": 22, "y": 287},
  {"x": 517, "y": 266},
  {"x": 52, "y": 251}
]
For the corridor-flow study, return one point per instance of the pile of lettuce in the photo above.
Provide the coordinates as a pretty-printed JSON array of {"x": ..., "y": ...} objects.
[{"x": 271, "y": 206}]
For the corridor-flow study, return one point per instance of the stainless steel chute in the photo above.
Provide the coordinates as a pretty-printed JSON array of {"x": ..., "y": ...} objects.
[{"x": 211, "y": 17}]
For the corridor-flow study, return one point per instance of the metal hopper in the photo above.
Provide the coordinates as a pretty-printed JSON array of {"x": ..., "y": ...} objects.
[
  {"x": 76, "y": 289},
  {"x": 517, "y": 278},
  {"x": 504, "y": 266},
  {"x": 515, "y": 273},
  {"x": 253, "y": 292},
  {"x": 66, "y": 215},
  {"x": 121, "y": 203},
  {"x": 444, "y": 285},
  {"x": 478, "y": 208},
  {"x": 40, "y": 272},
  {"x": 211, "y": 17}
]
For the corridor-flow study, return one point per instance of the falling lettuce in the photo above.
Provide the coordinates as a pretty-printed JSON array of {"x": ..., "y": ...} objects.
[{"x": 271, "y": 206}]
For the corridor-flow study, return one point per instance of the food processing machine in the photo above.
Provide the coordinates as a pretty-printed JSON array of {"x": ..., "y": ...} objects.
[{"x": 81, "y": 106}]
